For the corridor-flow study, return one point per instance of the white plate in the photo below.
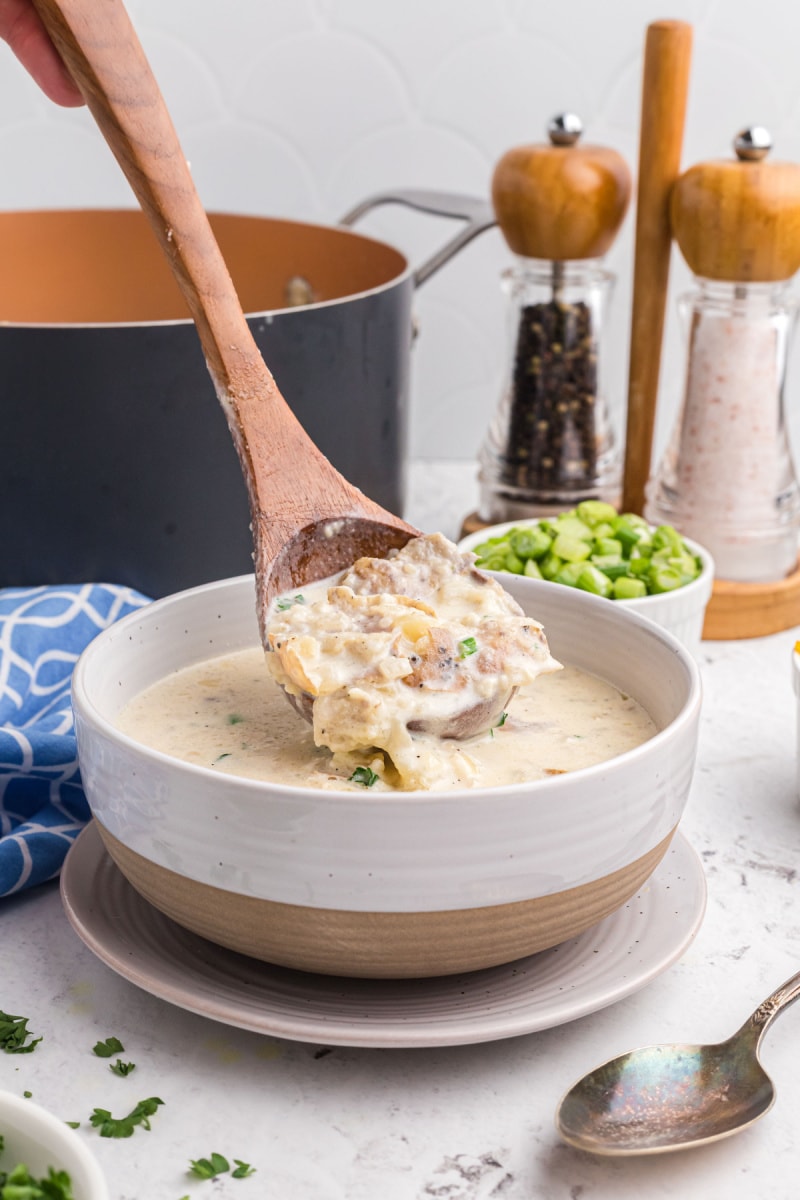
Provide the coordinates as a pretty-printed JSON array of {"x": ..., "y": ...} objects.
[{"x": 615, "y": 958}]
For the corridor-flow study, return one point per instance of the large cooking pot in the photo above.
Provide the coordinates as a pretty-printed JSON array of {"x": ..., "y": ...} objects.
[{"x": 115, "y": 459}]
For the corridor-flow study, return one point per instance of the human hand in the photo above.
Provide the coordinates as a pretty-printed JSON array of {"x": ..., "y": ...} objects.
[{"x": 24, "y": 32}]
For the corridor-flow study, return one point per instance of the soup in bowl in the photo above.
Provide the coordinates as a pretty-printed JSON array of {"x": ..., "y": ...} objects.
[{"x": 324, "y": 870}]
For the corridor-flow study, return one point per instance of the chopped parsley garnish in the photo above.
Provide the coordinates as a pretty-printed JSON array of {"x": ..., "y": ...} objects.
[
  {"x": 122, "y": 1068},
  {"x": 207, "y": 1168},
  {"x": 242, "y": 1170},
  {"x": 124, "y": 1127},
  {"x": 235, "y": 719},
  {"x": 217, "y": 1164},
  {"x": 220, "y": 757},
  {"x": 108, "y": 1048},
  {"x": 14, "y": 1034},
  {"x": 467, "y": 646},
  {"x": 502, "y": 721},
  {"x": 364, "y": 776},
  {"x": 289, "y": 602},
  {"x": 19, "y": 1184}
]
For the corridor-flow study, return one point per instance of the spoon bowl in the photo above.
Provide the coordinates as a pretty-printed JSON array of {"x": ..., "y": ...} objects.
[{"x": 671, "y": 1097}]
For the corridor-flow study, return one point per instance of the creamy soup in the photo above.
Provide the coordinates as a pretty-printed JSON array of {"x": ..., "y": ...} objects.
[
  {"x": 405, "y": 654},
  {"x": 229, "y": 715}
]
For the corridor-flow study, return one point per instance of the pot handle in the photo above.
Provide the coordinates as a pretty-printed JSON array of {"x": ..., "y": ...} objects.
[{"x": 478, "y": 214}]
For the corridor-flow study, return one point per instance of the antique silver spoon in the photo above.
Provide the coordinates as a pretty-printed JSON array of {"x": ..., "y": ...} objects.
[{"x": 670, "y": 1097}]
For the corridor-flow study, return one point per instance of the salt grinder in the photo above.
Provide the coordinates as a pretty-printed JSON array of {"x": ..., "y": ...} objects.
[
  {"x": 727, "y": 478},
  {"x": 551, "y": 442}
]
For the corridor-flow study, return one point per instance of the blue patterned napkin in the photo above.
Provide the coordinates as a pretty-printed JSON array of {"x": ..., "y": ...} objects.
[{"x": 42, "y": 806}]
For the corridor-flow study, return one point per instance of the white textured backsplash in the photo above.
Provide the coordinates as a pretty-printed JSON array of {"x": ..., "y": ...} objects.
[{"x": 301, "y": 108}]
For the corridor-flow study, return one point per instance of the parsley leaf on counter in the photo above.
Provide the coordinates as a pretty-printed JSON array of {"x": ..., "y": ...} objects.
[
  {"x": 121, "y": 1068},
  {"x": 208, "y": 1168},
  {"x": 217, "y": 1164},
  {"x": 110, "y": 1046},
  {"x": 14, "y": 1034},
  {"x": 243, "y": 1169},
  {"x": 124, "y": 1127}
]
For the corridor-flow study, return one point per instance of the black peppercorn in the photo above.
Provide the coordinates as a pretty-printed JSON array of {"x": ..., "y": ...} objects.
[{"x": 551, "y": 437}]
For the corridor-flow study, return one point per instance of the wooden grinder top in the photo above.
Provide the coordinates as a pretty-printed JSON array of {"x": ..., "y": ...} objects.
[
  {"x": 738, "y": 219},
  {"x": 561, "y": 200}
]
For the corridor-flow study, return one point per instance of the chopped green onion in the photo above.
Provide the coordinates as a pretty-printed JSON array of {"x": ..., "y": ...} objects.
[
  {"x": 285, "y": 602},
  {"x": 626, "y": 588},
  {"x": 618, "y": 546},
  {"x": 529, "y": 543},
  {"x": 594, "y": 581},
  {"x": 571, "y": 549},
  {"x": 467, "y": 646},
  {"x": 364, "y": 776},
  {"x": 19, "y": 1184}
]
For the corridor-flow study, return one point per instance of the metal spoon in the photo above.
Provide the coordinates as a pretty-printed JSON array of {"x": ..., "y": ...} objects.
[
  {"x": 670, "y": 1097},
  {"x": 308, "y": 522}
]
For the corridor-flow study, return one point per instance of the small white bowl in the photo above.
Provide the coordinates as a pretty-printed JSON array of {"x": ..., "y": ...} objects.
[
  {"x": 36, "y": 1138},
  {"x": 682, "y": 611},
  {"x": 410, "y": 884}
]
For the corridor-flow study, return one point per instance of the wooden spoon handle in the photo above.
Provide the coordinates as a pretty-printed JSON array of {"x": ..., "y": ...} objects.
[{"x": 667, "y": 57}]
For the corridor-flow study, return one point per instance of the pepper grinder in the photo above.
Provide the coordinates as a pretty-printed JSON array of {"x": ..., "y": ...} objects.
[
  {"x": 727, "y": 478},
  {"x": 551, "y": 442}
]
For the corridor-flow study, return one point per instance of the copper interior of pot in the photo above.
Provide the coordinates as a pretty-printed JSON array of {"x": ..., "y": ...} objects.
[{"x": 105, "y": 266}]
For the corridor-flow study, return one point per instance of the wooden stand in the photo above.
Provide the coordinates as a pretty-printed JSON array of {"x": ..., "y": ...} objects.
[
  {"x": 472, "y": 524},
  {"x": 748, "y": 610}
]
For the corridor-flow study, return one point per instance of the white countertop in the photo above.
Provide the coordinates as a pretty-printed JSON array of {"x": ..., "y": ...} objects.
[{"x": 469, "y": 1122}]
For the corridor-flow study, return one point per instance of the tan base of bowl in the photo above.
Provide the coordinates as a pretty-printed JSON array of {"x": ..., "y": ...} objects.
[{"x": 380, "y": 945}]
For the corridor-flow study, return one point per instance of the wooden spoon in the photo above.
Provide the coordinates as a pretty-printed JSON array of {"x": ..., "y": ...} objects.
[{"x": 308, "y": 522}]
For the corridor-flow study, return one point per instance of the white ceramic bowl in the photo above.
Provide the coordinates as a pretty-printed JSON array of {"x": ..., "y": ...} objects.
[
  {"x": 682, "y": 612},
  {"x": 36, "y": 1138},
  {"x": 413, "y": 883}
]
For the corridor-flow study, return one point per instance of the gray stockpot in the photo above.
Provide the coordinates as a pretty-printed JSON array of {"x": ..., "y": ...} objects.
[{"x": 116, "y": 463}]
